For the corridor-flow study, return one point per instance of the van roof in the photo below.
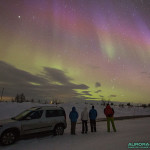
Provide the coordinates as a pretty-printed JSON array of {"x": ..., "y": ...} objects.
[{"x": 46, "y": 108}]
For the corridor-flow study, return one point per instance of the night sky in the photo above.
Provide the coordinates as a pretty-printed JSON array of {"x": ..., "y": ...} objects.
[{"x": 75, "y": 49}]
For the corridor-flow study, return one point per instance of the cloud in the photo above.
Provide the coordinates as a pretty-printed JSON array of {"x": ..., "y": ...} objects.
[
  {"x": 41, "y": 86},
  {"x": 98, "y": 91},
  {"x": 97, "y": 84},
  {"x": 91, "y": 98},
  {"x": 101, "y": 95},
  {"x": 86, "y": 93},
  {"x": 113, "y": 96},
  {"x": 12, "y": 75},
  {"x": 55, "y": 75}
]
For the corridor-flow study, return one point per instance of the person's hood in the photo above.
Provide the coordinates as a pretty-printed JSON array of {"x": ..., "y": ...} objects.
[{"x": 73, "y": 109}]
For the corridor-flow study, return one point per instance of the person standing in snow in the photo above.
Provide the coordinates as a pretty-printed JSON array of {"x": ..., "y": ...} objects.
[
  {"x": 73, "y": 117},
  {"x": 84, "y": 118},
  {"x": 109, "y": 112},
  {"x": 93, "y": 115}
]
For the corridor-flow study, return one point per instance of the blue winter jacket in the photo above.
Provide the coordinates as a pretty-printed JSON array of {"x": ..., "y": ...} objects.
[
  {"x": 93, "y": 114},
  {"x": 73, "y": 115}
]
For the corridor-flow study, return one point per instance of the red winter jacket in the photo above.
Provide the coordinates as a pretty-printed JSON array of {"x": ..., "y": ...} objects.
[{"x": 108, "y": 111}]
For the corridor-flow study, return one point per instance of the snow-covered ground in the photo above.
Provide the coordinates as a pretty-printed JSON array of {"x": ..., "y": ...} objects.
[
  {"x": 128, "y": 131},
  {"x": 10, "y": 109},
  {"x": 136, "y": 130}
]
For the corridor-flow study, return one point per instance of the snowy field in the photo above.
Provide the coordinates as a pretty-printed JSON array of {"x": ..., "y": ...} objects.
[
  {"x": 9, "y": 109},
  {"x": 136, "y": 130},
  {"x": 128, "y": 131}
]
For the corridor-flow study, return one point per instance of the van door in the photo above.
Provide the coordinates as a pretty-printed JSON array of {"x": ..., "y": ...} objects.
[
  {"x": 32, "y": 123},
  {"x": 50, "y": 119}
]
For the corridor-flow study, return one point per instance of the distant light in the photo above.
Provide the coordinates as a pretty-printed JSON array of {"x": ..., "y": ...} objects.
[{"x": 19, "y": 17}]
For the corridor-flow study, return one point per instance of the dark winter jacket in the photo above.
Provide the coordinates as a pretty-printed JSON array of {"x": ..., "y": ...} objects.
[
  {"x": 93, "y": 114},
  {"x": 73, "y": 115},
  {"x": 108, "y": 111}
]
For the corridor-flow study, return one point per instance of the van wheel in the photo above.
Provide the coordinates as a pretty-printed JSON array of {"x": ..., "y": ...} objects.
[
  {"x": 8, "y": 137},
  {"x": 59, "y": 130}
]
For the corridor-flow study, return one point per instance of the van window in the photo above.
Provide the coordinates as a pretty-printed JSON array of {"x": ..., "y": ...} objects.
[
  {"x": 60, "y": 112},
  {"x": 51, "y": 113},
  {"x": 35, "y": 114},
  {"x": 54, "y": 113}
]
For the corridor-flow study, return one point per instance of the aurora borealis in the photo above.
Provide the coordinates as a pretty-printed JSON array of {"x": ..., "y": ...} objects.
[{"x": 76, "y": 49}]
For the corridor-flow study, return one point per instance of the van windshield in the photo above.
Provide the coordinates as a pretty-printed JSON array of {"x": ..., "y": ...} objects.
[{"x": 21, "y": 115}]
